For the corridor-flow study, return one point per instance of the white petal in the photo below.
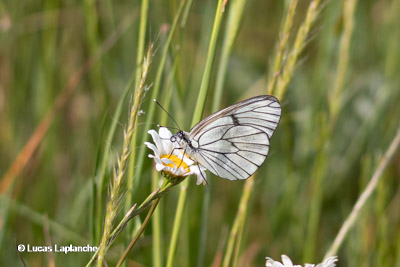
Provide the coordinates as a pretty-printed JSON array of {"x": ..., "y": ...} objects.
[
  {"x": 329, "y": 262},
  {"x": 286, "y": 261},
  {"x": 167, "y": 146},
  {"x": 153, "y": 147},
  {"x": 200, "y": 180},
  {"x": 160, "y": 167},
  {"x": 157, "y": 140},
  {"x": 152, "y": 133},
  {"x": 180, "y": 172},
  {"x": 165, "y": 136},
  {"x": 164, "y": 133},
  {"x": 271, "y": 263},
  {"x": 167, "y": 161},
  {"x": 200, "y": 174},
  {"x": 187, "y": 160},
  {"x": 158, "y": 161}
]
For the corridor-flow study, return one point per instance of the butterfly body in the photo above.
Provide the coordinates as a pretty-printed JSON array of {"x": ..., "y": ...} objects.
[
  {"x": 185, "y": 142},
  {"x": 233, "y": 142}
]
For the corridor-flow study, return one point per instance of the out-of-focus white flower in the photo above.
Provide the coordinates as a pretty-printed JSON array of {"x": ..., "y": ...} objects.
[
  {"x": 286, "y": 262},
  {"x": 329, "y": 262},
  {"x": 170, "y": 160}
]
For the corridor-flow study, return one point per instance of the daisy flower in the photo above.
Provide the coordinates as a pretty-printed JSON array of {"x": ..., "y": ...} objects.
[
  {"x": 287, "y": 262},
  {"x": 170, "y": 160}
]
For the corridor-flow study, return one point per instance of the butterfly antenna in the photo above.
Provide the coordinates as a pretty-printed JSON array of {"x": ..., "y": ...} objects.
[
  {"x": 169, "y": 127},
  {"x": 169, "y": 115}
]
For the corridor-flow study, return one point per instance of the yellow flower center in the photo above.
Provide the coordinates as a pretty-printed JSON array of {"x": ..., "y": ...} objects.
[{"x": 178, "y": 162}]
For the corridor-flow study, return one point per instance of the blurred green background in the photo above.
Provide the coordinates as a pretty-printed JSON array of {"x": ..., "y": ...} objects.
[{"x": 84, "y": 53}]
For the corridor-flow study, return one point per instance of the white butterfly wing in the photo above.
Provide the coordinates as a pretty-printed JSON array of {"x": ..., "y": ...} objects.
[{"x": 233, "y": 143}]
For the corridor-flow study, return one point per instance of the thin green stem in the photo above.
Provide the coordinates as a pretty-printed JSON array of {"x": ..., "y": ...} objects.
[
  {"x": 239, "y": 221},
  {"x": 156, "y": 222},
  {"x": 132, "y": 156},
  {"x": 299, "y": 44},
  {"x": 238, "y": 242},
  {"x": 282, "y": 47},
  {"x": 112, "y": 205},
  {"x": 342, "y": 67},
  {"x": 177, "y": 224},
  {"x": 355, "y": 213},
  {"x": 322, "y": 159},
  {"x": 106, "y": 155},
  {"x": 196, "y": 117},
  {"x": 156, "y": 88},
  {"x": 139, "y": 57},
  {"x": 165, "y": 188},
  {"x": 141, "y": 230},
  {"x": 231, "y": 29},
  {"x": 205, "y": 82}
]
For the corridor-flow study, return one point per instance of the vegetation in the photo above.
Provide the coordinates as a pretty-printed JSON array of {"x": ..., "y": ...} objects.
[{"x": 77, "y": 80}]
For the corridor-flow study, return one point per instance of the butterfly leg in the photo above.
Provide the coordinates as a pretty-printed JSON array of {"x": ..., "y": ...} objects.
[
  {"x": 183, "y": 155},
  {"x": 202, "y": 176},
  {"x": 173, "y": 150}
]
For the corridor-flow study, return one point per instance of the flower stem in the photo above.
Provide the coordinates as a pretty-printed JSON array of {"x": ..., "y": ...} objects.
[
  {"x": 139, "y": 233},
  {"x": 155, "y": 195}
]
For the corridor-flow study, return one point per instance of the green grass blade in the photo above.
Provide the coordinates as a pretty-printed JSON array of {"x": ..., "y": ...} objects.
[
  {"x": 139, "y": 57},
  {"x": 234, "y": 18},
  {"x": 196, "y": 117},
  {"x": 106, "y": 156},
  {"x": 155, "y": 92}
]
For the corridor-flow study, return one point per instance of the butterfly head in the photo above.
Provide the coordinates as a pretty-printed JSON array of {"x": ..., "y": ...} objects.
[
  {"x": 182, "y": 138},
  {"x": 178, "y": 137}
]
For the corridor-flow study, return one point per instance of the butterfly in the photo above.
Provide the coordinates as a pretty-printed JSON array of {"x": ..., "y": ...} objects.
[{"x": 233, "y": 142}]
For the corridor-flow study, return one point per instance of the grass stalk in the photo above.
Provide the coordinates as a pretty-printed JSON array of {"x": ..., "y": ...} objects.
[
  {"x": 59, "y": 103},
  {"x": 37, "y": 218},
  {"x": 231, "y": 29},
  {"x": 156, "y": 89},
  {"x": 92, "y": 35},
  {"x": 373, "y": 183},
  {"x": 112, "y": 205},
  {"x": 322, "y": 159},
  {"x": 141, "y": 229},
  {"x": 299, "y": 44},
  {"x": 157, "y": 247},
  {"x": 139, "y": 233},
  {"x": 234, "y": 18},
  {"x": 317, "y": 175},
  {"x": 282, "y": 81},
  {"x": 239, "y": 221},
  {"x": 340, "y": 115},
  {"x": 281, "y": 53},
  {"x": 342, "y": 67},
  {"x": 177, "y": 223},
  {"x": 238, "y": 243},
  {"x": 156, "y": 231},
  {"x": 142, "y": 39},
  {"x": 196, "y": 117},
  {"x": 100, "y": 176},
  {"x": 134, "y": 211},
  {"x": 205, "y": 82},
  {"x": 139, "y": 58}
]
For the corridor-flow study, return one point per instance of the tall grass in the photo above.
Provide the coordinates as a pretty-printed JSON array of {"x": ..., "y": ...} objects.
[{"x": 329, "y": 186}]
